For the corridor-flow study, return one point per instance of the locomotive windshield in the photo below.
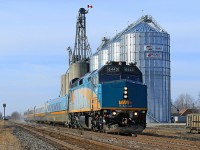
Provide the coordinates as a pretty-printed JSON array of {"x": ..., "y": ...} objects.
[{"x": 119, "y": 72}]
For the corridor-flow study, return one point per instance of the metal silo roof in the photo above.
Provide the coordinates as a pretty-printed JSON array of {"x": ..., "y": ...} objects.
[
  {"x": 143, "y": 27},
  {"x": 145, "y": 24},
  {"x": 104, "y": 44}
]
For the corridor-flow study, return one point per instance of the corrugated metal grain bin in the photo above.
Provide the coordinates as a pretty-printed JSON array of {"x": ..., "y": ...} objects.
[
  {"x": 94, "y": 62},
  {"x": 103, "y": 57},
  {"x": 193, "y": 123},
  {"x": 103, "y": 52},
  {"x": 146, "y": 43}
]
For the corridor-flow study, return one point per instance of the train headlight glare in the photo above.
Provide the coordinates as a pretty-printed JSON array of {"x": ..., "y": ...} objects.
[
  {"x": 125, "y": 96},
  {"x": 114, "y": 113},
  {"x": 135, "y": 113},
  {"x": 125, "y": 88}
]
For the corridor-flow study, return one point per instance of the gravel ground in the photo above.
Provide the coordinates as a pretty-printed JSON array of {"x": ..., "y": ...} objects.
[
  {"x": 7, "y": 140},
  {"x": 30, "y": 142}
]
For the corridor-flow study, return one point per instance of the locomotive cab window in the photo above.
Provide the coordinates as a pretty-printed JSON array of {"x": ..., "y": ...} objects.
[
  {"x": 81, "y": 82},
  {"x": 122, "y": 72}
]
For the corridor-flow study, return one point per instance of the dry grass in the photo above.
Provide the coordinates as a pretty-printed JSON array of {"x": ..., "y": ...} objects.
[{"x": 7, "y": 140}]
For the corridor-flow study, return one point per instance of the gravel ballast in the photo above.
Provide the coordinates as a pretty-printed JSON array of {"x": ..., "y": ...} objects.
[{"x": 31, "y": 142}]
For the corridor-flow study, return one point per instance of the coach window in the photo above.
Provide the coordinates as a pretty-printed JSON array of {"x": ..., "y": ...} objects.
[
  {"x": 58, "y": 108},
  {"x": 60, "y": 105},
  {"x": 54, "y": 107}
]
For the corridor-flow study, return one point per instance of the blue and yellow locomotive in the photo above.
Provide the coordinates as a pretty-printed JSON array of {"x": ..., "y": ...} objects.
[{"x": 110, "y": 99}]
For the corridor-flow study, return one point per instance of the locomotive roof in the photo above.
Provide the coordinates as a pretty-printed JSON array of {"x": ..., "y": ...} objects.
[{"x": 97, "y": 71}]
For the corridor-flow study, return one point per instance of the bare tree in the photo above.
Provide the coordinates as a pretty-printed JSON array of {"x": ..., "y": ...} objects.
[
  {"x": 198, "y": 101},
  {"x": 1, "y": 115},
  {"x": 15, "y": 116},
  {"x": 184, "y": 101}
]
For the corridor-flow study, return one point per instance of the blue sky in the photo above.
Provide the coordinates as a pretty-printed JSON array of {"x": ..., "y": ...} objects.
[{"x": 34, "y": 35}]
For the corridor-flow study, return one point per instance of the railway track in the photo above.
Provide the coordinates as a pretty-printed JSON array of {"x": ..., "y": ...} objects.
[
  {"x": 168, "y": 143},
  {"x": 67, "y": 140},
  {"x": 144, "y": 141},
  {"x": 176, "y": 133},
  {"x": 81, "y": 139}
]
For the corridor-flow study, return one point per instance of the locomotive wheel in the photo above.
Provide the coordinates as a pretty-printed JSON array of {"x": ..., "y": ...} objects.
[
  {"x": 95, "y": 129},
  {"x": 134, "y": 135},
  {"x": 104, "y": 131}
]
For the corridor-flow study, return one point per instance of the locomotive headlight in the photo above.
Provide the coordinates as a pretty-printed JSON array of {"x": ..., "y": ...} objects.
[
  {"x": 125, "y": 93},
  {"x": 135, "y": 113},
  {"x": 114, "y": 113},
  {"x": 125, "y": 96}
]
